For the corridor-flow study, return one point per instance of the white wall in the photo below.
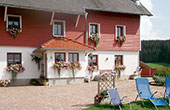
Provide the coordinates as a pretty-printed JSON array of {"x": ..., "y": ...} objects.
[
  {"x": 130, "y": 60},
  {"x": 53, "y": 73},
  {"x": 31, "y": 68}
]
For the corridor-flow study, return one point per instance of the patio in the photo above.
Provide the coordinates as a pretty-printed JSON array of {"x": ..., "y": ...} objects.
[{"x": 71, "y": 97}]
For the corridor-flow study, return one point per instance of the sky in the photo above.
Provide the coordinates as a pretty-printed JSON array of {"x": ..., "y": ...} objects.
[{"x": 157, "y": 26}]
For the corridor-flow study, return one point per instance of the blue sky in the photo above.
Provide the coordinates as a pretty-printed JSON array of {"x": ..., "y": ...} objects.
[{"x": 158, "y": 25}]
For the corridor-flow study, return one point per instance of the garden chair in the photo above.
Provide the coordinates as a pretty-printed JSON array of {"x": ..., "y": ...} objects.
[
  {"x": 144, "y": 93},
  {"x": 115, "y": 98},
  {"x": 167, "y": 88}
]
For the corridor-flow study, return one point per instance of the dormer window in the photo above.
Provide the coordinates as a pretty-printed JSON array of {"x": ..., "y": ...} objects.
[{"x": 58, "y": 28}]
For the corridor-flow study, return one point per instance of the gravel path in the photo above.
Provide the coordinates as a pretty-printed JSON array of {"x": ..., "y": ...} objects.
[{"x": 68, "y": 97}]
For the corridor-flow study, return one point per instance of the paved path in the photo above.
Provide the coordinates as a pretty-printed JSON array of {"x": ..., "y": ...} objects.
[{"x": 68, "y": 97}]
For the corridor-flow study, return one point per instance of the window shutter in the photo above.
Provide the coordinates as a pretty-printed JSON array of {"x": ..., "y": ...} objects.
[
  {"x": 116, "y": 32},
  {"x": 99, "y": 30},
  {"x": 124, "y": 29}
]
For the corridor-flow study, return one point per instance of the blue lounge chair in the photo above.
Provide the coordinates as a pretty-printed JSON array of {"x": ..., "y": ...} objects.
[
  {"x": 167, "y": 88},
  {"x": 115, "y": 98},
  {"x": 144, "y": 92}
]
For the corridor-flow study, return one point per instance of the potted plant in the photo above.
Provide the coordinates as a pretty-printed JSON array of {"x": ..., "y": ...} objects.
[
  {"x": 42, "y": 77},
  {"x": 98, "y": 98},
  {"x": 121, "y": 39},
  {"x": 95, "y": 38},
  {"x": 91, "y": 69},
  {"x": 14, "y": 69},
  {"x": 13, "y": 30},
  {"x": 4, "y": 83},
  {"x": 73, "y": 66},
  {"x": 36, "y": 59},
  {"x": 60, "y": 65},
  {"x": 45, "y": 82}
]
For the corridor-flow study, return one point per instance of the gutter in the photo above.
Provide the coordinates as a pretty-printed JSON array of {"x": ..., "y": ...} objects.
[
  {"x": 66, "y": 49},
  {"x": 86, "y": 28}
]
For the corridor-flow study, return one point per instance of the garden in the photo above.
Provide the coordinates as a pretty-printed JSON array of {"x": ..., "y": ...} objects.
[
  {"x": 135, "y": 106},
  {"x": 102, "y": 100}
]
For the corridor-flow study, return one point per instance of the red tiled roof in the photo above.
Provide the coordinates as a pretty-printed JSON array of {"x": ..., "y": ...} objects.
[{"x": 64, "y": 44}]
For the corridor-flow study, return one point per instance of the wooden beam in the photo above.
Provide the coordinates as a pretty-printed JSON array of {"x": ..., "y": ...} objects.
[
  {"x": 77, "y": 21},
  {"x": 52, "y": 18},
  {"x": 5, "y": 13}
]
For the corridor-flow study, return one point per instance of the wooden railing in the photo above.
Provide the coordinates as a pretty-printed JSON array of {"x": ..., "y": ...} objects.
[{"x": 150, "y": 72}]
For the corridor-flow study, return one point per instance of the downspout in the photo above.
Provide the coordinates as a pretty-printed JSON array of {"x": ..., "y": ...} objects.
[{"x": 86, "y": 28}]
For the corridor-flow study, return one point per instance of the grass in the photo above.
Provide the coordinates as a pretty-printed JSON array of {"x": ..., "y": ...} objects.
[
  {"x": 158, "y": 65},
  {"x": 135, "y": 106}
]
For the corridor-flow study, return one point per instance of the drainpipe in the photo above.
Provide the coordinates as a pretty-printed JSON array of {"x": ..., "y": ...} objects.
[{"x": 86, "y": 28}]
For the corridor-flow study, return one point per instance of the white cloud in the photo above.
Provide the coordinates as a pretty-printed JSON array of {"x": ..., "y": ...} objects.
[{"x": 147, "y": 31}]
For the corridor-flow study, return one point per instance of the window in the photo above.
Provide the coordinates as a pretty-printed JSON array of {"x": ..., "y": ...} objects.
[
  {"x": 59, "y": 57},
  {"x": 13, "y": 58},
  {"x": 94, "y": 28},
  {"x": 73, "y": 57},
  {"x": 14, "y": 21},
  {"x": 93, "y": 60},
  {"x": 120, "y": 31},
  {"x": 118, "y": 59},
  {"x": 59, "y": 28}
]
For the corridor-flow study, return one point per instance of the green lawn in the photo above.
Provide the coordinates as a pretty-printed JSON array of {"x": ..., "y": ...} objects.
[
  {"x": 135, "y": 106},
  {"x": 158, "y": 65}
]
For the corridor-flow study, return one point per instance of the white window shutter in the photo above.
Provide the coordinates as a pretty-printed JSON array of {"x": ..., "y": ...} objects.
[
  {"x": 116, "y": 32},
  {"x": 64, "y": 24},
  {"x": 124, "y": 31},
  {"x": 99, "y": 30}
]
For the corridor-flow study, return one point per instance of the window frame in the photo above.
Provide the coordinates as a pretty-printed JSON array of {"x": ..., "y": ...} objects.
[
  {"x": 124, "y": 30},
  {"x": 122, "y": 57},
  {"x": 60, "y": 53},
  {"x": 64, "y": 28},
  {"x": 14, "y": 57},
  {"x": 73, "y": 57},
  {"x": 98, "y": 29},
  {"x": 10, "y": 15},
  {"x": 92, "y": 60}
]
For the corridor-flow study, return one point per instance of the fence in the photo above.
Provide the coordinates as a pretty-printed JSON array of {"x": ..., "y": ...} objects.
[{"x": 150, "y": 72}]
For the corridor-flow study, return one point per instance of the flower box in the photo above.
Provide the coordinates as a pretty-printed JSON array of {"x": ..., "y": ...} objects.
[
  {"x": 13, "y": 30},
  {"x": 95, "y": 38},
  {"x": 121, "y": 39}
]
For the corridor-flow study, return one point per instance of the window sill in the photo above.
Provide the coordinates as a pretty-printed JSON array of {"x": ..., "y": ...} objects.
[
  {"x": 58, "y": 35},
  {"x": 19, "y": 30}
]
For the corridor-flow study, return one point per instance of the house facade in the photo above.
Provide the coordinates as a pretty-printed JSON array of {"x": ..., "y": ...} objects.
[{"x": 92, "y": 33}]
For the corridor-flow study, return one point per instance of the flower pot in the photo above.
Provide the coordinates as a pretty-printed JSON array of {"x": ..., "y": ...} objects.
[{"x": 45, "y": 83}]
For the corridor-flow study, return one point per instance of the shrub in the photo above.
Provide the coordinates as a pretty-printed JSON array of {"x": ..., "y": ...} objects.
[
  {"x": 160, "y": 75},
  {"x": 4, "y": 83},
  {"x": 100, "y": 97}
]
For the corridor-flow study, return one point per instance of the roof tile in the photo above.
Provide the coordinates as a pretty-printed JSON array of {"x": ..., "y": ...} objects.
[{"x": 65, "y": 43}]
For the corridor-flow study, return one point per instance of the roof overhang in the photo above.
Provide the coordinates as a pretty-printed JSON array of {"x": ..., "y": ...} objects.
[
  {"x": 113, "y": 11},
  {"x": 62, "y": 49},
  {"x": 106, "y": 7},
  {"x": 42, "y": 9},
  {"x": 64, "y": 44}
]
